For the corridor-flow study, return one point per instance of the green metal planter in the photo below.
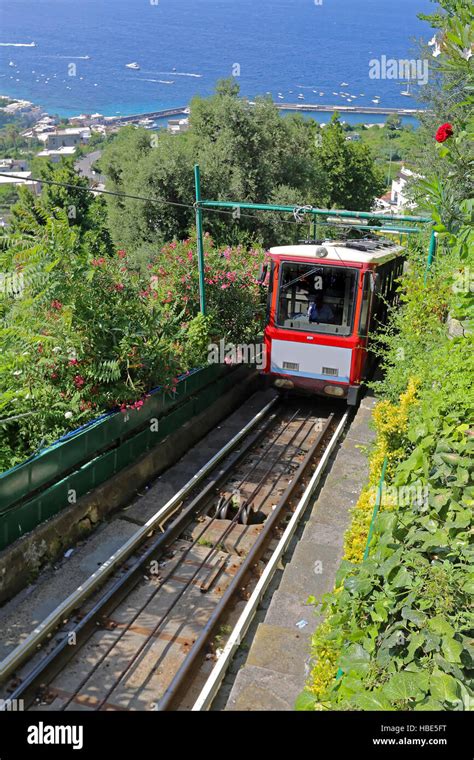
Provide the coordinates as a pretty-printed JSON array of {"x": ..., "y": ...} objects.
[{"x": 39, "y": 488}]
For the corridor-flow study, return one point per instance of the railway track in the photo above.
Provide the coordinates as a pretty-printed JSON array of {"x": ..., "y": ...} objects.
[{"x": 142, "y": 632}]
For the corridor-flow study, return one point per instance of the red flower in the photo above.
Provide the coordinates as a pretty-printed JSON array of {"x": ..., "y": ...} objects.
[
  {"x": 98, "y": 262},
  {"x": 72, "y": 362},
  {"x": 79, "y": 381},
  {"x": 56, "y": 305},
  {"x": 444, "y": 132},
  {"x": 118, "y": 286},
  {"x": 121, "y": 254}
]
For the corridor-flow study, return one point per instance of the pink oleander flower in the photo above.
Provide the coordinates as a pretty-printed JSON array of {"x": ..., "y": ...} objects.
[
  {"x": 79, "y": 381},
  {"x": 56, "y": 305},
  {"x": 119, "y": 286}
]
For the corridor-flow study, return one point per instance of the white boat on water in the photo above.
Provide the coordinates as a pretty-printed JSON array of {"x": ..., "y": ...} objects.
[
  {"x": 13, "y": 65},
  {"x": 147, "y": 123},
  {"x": 301, "y": 96},
  {"x": 343, "y": 84},
  {"x": 407, "y": 92},
  {"x": 134, "y": 65}
]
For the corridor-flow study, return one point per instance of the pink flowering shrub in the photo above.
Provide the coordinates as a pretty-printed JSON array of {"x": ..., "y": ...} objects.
[
  {"x": 91, "y": 335},
  {"x": 233, "y": 296}
]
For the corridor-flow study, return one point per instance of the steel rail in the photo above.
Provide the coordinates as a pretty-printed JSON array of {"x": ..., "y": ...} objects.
[
  {"x": 177, "y": 683},
  {"x": 30, "y": 645},
  {"x": 209, "y": 556},
  {"x": 199, "y": 499},
  {"x": 212, "y": 685},
  {"x": 145, "y": 604},
  {"x": 125, "y": 583}
]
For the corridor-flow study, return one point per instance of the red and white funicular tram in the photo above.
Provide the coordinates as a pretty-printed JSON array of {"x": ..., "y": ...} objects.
[{"x": 324, "y": 303}]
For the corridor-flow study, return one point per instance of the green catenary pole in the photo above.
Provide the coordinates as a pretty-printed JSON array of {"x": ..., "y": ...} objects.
[
  {"x": 431, "y": 253},
  {"x": 200, "y": 242}
]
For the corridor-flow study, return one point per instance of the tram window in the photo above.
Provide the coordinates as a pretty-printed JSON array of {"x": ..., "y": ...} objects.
[
  {"x": 366, "y": 298},
  {"x": 317, "y": 298},
  {"x": 270, "y": 290}
]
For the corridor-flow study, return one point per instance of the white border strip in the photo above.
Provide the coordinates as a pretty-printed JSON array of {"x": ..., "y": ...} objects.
[
  {"x": 29, "y": 645},
  {"x": 212, "y": 685}
]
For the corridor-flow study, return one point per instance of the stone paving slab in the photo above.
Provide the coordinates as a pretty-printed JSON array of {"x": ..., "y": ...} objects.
[
  {"x": 20, "y": 616},
  {"x": 311, "y": 571},
  {"x": 279, "y": 657},
  {"x": 264, "y": 690},
  {"x": 277, "y": 648},
  {"x": 287, "y": 610}
]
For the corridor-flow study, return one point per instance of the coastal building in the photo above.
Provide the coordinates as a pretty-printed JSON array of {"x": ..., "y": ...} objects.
[
  {"x": 65, "y": 138},
  {"x": 57, "y": 154},
  {"x": 18, "y": 178},
  {"x": 397, "y": 199},
  {"x": 46, "y": 122},
  {"x": 86, "y": 120},
  {"x": 177, "y": 126},
  {"x": 399, "y": 195},
  {"x": 383, "y": 204},
  {"x": 13, "y": 165}
]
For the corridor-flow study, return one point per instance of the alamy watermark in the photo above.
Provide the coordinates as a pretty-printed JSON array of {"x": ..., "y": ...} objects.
[
  {"x": 414, "y": 70},
  {"x": 241, "y": 353}
]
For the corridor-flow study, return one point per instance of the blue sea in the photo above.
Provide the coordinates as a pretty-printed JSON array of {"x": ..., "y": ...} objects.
[{"x": 183, "y": 47}]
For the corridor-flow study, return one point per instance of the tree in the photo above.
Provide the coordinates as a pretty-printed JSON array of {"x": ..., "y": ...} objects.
[
  {"x": 353, "y": 179},
  {"x": 72, "y": 196},
  {"x": 393, "y": 123},
  {"x": 448, "y": 97},
  {"x": 245, "y": 153}
]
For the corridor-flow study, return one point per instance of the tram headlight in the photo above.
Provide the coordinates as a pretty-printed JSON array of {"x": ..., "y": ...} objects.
[{"x": 334, "y": 390}]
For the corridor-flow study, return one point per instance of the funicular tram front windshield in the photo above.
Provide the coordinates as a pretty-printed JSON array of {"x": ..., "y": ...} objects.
[{"x": 317, "y": 299}]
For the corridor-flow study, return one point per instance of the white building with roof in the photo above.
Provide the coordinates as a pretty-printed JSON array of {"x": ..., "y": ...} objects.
[
  {"x": 56, "y": 155},
  {"x": 398, "y": 196},
  {"x": 65, "y": 138},
  {"x": 18, "y": 178}
]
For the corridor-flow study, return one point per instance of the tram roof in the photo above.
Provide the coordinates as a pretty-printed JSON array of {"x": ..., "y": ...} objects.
[{"x": 366, "y": 252}]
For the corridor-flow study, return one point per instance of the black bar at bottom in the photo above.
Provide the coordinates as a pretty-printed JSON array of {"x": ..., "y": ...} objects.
[{"x": 83, "y": 734}]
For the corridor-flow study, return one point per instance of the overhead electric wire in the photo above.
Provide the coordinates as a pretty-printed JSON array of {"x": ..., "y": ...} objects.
[
  {"x": 100, "y": 191},
  {"x": 192, "y": 207}
]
